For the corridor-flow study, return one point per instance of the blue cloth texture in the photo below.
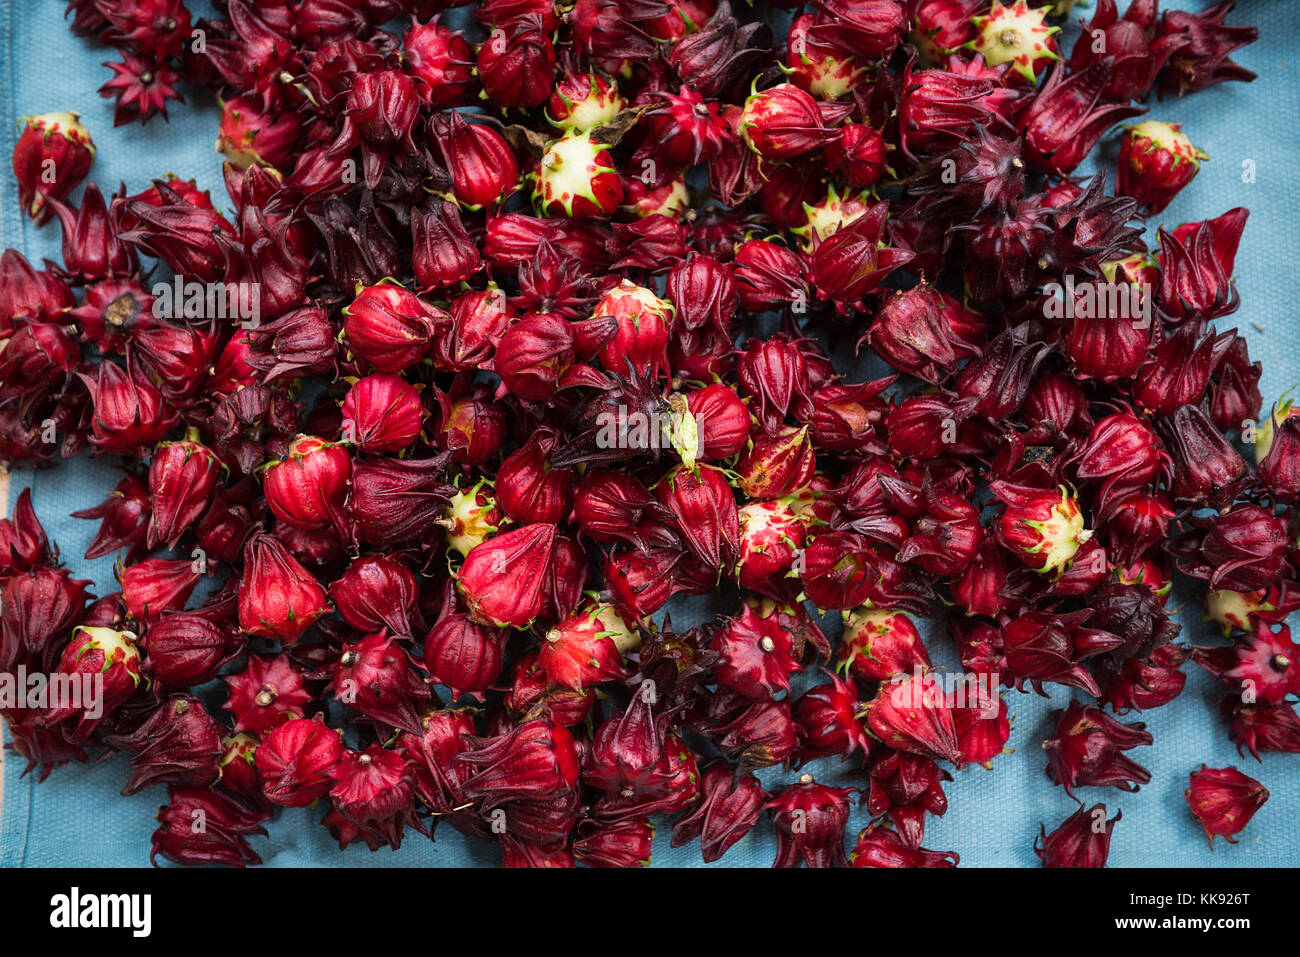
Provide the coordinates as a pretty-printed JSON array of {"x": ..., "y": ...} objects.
[{"x": 77, "y": 818}]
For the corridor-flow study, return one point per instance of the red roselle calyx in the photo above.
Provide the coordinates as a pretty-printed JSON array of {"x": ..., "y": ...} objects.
[
  {"x": 278, "y": 597},
  {"x": 1223, "y": 801},
  {"x": 53, "y": 155},
  {"x": 1082, "y": 841}
]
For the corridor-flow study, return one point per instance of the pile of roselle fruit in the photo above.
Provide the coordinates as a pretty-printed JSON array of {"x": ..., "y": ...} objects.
[{"x": 528, "y": 332}]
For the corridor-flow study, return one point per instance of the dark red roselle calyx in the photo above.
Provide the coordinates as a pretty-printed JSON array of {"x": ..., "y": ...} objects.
[
  {"x": 978, "y": 589},
  {"x": 533, "y": 355},
  {"x": 1242, "y": 550},
  {"x": 227, "y": 821},
  {"x": 184, "y": 650},
  {"x": 182, "y": 478},
  {"x": 373, "y": 798},
  {"x": 377, "y": 591},
  {"x": 300, "y": 342},
  {"x": 398, "y": 500},
  {"x": 1223, "y": 800},
  {"x": 1083, "y": 840},
  {"x": 911, "y": 334},
  {"x": 532, "y": 695},
  {"x": 442, "y": 59},
  {"x": 703, "y": 292},
  {"x": 130, "y": 414},
  {"x": 382, "y": 413},
  {"x": 627, "y": 750},
  {"x": 681, "y": 130},
  {"x": 828, "y": 721},
  {"x": 881, "y": 846},
  {"x": 810, "y": 819},
  {"x": 380, "y": 110},
  {"x": 641, "y": 339},
  {"x": 376, "y": 677},
  {"x": 92, "y": 249},
  {"x": 856, "y": 259},
  {"x": 444, "y": 254},
  {"x": 268, "y": 692},
  {"x": 536, "y": 760},
  {"x": 1138, "y": 524},
  {"x": 759, "y": 650},
  {"x": 478, "y": 319},
  {"x": 528, "y": 489},
  {"x": 1196, "y": 263},
  {"x": 23, "y": 542},
  {"x": 502, "y": 577},
  {"x": 30, "y": 293},
  {"x": 37, "y": 609},
  {"x": 1139, "y": 54},
  {"x": 566, "y": 579},
  {"x": 1265, "y": 663},
  {"x": 1068, "y": 116},
  {"x": 1178, "y": 370},
  {"x": 704, "y": 507},
  {"x": 769, "y": 275},
  {"x": 446, "y": 734},
  {"x": 1262, "y": 727},
  {"x": 945, "y": 529},
  {"x": 907, "y": 787},
  {"x": 626, "y": 843},
  {"x": 298, "y": 761},
  {"x": 1136, "y": 684},
  {"x": 756, "y": 734},
  {"x": 482, "y": 165},
  {"x": 914, "y": 714},
  {"x": 774, "y": 373},
  {"x": 248, "y": 134},
  {"x": 1207, "y": 469},
  {"x": 1202, "y": 60},
  {"x": 938, "y": 109},
  {"x": 1043, "y": 647},
  {"x": 179, "y": 744},
  {"x": 722, "y": 421},
  {"x": 1087, "y": 750},
  {"x": 516, "y": 64},
  {"x": 465, "y": 656},
  {"x": 782, "y": 123},
  {"x": 641, "y": 582},
  {"x": 729, "y": 807},
  {"x": 157, "y": 585},
  {"x": 1156, "y": 161},
  {"x": 390, "y": 327},
  {"x": 879, "y": 643},
  {"x": 1123, "y": 453},
  {"x": 188, "y": 235},
  {"x": 53, "y": 154},
  {"x": 278, "y": 597}
]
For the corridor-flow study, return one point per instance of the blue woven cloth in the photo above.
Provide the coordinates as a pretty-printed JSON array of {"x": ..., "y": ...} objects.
[{"x": 77, "y": 818}]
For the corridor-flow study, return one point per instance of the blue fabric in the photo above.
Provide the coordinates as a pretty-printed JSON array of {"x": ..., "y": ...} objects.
[{"x": 78, "y": 818}]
